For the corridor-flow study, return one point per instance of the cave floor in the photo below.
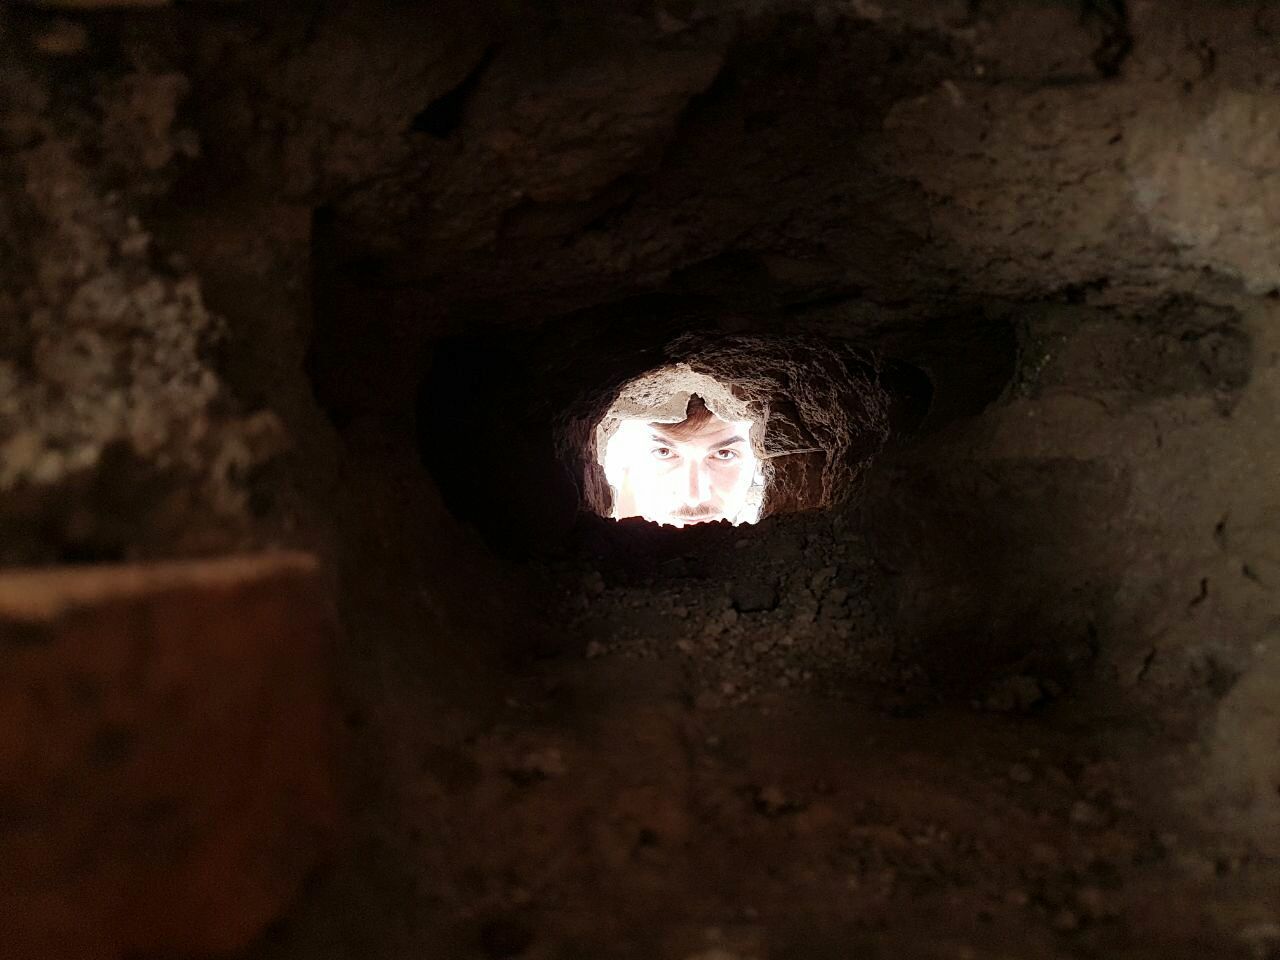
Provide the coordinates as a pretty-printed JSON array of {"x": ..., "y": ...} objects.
[
  {"x": 600, "y": 824},
  {"x": 607, "y": 816},
  {"x": 675, "y": 778}
]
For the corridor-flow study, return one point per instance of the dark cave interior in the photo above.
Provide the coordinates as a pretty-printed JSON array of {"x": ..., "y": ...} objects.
[{"x": 315, "y": 638}]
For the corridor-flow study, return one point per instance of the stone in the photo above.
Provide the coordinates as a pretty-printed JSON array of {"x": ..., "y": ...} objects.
[
  {"x": 821, "y": 578},
  {"x": 754, "y": 596},
  {"x": 168, "y": 753}
]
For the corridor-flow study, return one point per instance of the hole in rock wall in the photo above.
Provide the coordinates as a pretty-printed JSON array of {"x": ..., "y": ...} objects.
[
  {"x": 527, "y": 436},
  {"x": 732, "y": 427},
  {"x": 680, "y": 447}
]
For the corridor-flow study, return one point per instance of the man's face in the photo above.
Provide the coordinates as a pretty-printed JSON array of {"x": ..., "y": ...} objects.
[{"x": 678, "y": 474}]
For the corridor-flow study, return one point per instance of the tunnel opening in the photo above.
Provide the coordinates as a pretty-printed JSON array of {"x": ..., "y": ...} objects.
[
  {"x": 810, "y": 413},
  {"x": 516, "y": 429}
]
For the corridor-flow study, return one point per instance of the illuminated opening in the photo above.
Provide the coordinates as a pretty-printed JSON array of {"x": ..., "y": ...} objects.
[{"x": 680, "y": 462}]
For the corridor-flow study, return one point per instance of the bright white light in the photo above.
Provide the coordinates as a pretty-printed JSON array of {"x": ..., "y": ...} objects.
[{"x": 697, "y": 471}]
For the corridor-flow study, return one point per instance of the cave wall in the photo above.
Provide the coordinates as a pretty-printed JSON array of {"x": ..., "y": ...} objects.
[
  {"x": 952, "y": 172},
  {"x": 234, "y": 236}
]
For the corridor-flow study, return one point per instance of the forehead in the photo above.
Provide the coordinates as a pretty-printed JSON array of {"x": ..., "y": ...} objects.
[{"x": 713, "y": 430}]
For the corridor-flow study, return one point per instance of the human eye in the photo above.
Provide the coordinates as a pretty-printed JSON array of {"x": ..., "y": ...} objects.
[
  {"x": 726, "y": 454},
  {"x": 662, "y": 453}
]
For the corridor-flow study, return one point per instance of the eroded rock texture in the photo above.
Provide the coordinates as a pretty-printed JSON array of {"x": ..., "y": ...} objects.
[
  {"x": 118, "y": 434},
  {"x": 361, "y": 277}
]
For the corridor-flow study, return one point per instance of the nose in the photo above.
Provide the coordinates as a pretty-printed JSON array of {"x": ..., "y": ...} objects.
[{"x": 699, "y": 489}]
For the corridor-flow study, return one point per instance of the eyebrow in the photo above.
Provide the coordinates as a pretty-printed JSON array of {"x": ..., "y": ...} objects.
[{"x": 663, "y": 438}]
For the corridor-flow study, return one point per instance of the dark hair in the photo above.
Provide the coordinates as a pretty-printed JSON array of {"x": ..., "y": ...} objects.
[{"x": 696, "y": 417}]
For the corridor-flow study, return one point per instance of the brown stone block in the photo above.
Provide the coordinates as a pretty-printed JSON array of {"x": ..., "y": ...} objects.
[{"x": 167, "y": 753}]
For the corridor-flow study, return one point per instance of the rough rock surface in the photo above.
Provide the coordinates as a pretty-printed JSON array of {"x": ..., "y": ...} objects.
[
  {"x": 246, "y": 246},
  {"x": 748, "y": 618},
  {"x": 117, "y": 435}
]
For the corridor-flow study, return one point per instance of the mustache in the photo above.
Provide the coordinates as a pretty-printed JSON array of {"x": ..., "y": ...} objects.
[{"x": 695, "y": 513}]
